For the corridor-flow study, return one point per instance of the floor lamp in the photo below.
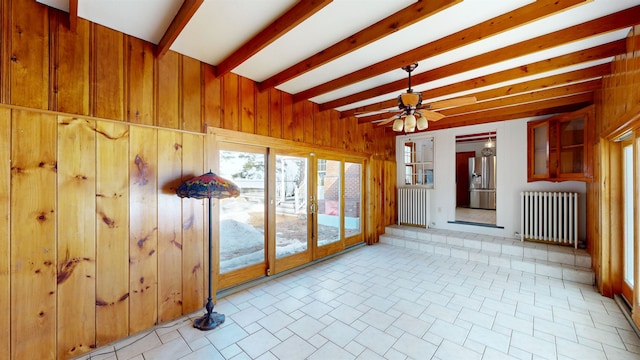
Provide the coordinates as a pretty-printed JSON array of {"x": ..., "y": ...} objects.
[{"x": 208, "y": 186}]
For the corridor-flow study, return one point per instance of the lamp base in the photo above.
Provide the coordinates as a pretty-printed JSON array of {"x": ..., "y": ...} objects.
[{"x": 208, "y": 321}]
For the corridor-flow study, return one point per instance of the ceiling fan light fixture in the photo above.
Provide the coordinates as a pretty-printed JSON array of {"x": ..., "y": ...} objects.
[
  {"x": 410, "y": 123},
  {"x": 398, "y": 125},
  {"x": 409, "y": 99},
  {"x": 422, "y": 123}
]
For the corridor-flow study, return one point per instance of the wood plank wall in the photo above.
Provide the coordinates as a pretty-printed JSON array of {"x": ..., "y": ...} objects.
[
  {"x": 83, "y": 246},
  {"x": 619, "y": 97}
]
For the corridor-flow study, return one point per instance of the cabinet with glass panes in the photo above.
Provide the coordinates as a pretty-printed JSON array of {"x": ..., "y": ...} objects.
[{"x": 559, "y": 147}]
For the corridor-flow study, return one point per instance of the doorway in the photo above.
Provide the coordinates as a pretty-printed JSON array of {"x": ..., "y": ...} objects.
[
  {"x": 294, "y": 207},
  {"x": 476, "y": 184}
]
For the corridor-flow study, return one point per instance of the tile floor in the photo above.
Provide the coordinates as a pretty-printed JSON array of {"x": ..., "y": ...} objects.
[{"x": 387, "y": 302}]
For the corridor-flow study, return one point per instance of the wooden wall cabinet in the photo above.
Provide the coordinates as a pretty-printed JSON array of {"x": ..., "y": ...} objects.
[{"x": 559, "y": 148}]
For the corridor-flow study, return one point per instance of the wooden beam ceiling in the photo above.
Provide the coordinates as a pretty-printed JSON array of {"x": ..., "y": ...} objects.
[
  {"x": 399, "y": 20},
  {"x": 186, "y": 11},
  {"x": 581, "y": 56},
  {"x": 537, "y": 108},
  {"x": 510, "y": 20},
  {"x": 604, "y": 24},
  {"x": 297, "y": 14}
]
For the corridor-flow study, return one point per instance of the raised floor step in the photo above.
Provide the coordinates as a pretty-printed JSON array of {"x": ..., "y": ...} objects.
[{"x": 554, "y": 261}]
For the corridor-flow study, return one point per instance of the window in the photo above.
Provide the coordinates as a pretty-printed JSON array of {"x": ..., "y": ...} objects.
[{"x": 416, "y": 156}]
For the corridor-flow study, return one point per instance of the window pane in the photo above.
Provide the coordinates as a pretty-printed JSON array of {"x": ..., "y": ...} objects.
[
  {"x": 328, "y": 202},
  {"x": 291, "y": 205},
  {"x": 352, "y": 199},
  {"x": 242, "y": 219},
  {"x": 628, "y": 214}
]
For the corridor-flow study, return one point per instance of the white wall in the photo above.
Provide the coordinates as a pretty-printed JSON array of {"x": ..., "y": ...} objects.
[{"x": 511, "y": 162}]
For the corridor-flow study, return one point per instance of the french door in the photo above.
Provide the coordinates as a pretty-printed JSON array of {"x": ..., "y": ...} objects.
[
  {"x": 628, "y": 220},
  {"x": 293, "y": 208}
]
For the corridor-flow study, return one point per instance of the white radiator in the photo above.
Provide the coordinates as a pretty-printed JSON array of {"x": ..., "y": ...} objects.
[
  {"x": 413, "y": 206},
  {"x": 549, "y": 216}
]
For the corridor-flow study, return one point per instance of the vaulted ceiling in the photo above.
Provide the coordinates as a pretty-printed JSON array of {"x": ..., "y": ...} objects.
[{"x": 519, "y": 58}]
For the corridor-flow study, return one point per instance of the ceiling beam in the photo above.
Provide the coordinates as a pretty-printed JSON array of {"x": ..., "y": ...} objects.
[
  {"x": 399, "y": 20},
  {"x": 506, "y": 98},
  {"x": 496, "y": 25},
  {"x": 598, "y": 52},
  {"x": 73, "y": 15},
  {"x": 185, "y": 13},
  {"x": 506, "y": 113},
  {"x": 556, "y": 92},
  {"x": 292, "y": 18},
  {"x": 601, "y": 25}
]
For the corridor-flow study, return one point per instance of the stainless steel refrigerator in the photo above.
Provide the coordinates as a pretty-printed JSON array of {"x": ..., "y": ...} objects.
[{"x": 482, "y": 180}]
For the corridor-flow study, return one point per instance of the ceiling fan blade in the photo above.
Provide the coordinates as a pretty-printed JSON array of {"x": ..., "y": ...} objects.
[
  {"x": 431, "y": 115},
  {"x": 386, "y": 121},
  {"x": 453, "y": 102}
]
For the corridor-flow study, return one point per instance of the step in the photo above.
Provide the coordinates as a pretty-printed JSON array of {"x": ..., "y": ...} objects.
[{"x": 554, "y": 261}]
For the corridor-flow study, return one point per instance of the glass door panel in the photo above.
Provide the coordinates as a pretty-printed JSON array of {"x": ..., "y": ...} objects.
[
  {"x": 628, "y": 214},
  {"x": 291, "y": 205},
  {"x": 292, "y": 227},
  {"x": 242, "y": 219},
  {"x": 352, "y": 203},
  {"x": 328, "y": 221}
]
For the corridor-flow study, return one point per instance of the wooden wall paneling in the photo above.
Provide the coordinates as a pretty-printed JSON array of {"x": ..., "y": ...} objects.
[
  {"x": 211, "y": 97},
  {"x": 69, "y": 60},
  {"x": 143, "y": 220},
  {"x": 112, "y": 232},
  {"x": 307, "y": 122},
  {"x": 33, "y": 230},
  {"x": 107, "y": 82},
  {"x": 334, "y": 129},
  {"x": 140, "y": 64},
  {"x": 5, "y": 51},
  {"x": 76, "y": 254},
  {"x": 168, "y": 89},
  {"x": 248, "y": 105},
  {"x": 191, "y": 94},
  {"x": 230, "y": 102},
  {"x": 287, "y": 115},
  {"x": 298, "y": 122},
  {"x": 170, "y": 153},
  {"x": 275, "y": 113},
  {"x": 262, "y": 112},
  {"x": 351, "y": 128},
  {"x": 5, "y": 244},
  {"x": 193, "y": 228},
  {"x": 29, "y": 78},
  {"x": 321, "y": 128}
]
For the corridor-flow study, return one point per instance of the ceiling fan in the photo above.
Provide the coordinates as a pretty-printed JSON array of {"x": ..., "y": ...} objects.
[{"x": 413, "y": 114}]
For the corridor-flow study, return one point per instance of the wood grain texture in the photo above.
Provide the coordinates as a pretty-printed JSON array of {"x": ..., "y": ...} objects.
[
  {"x": 230, "y": 102},
  {"x": 76, "y": 248},
  {"x": 275, "y": 113},
  {"x": 112, "y": 232},
  {"x": 167, "y": 90},
  {"x": 191, "y": 95},
  {"x": 248, "y": 104},
  {"x": 139, "y": 63},
  {"x": 262, "y": 116},
  {"x": 69, "y": 58},
  {"x": 5, "y": 233},
  {"x": 29, "y": 78},
  {"x": 212, "y": 95},
  {"x": 33, "y": 234},
  {"x": 107, "y": 73},
  {"x": 193, "y": 228},
  {"x": 143, "y": 233},
  {"x": 170, "y": 154}
]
